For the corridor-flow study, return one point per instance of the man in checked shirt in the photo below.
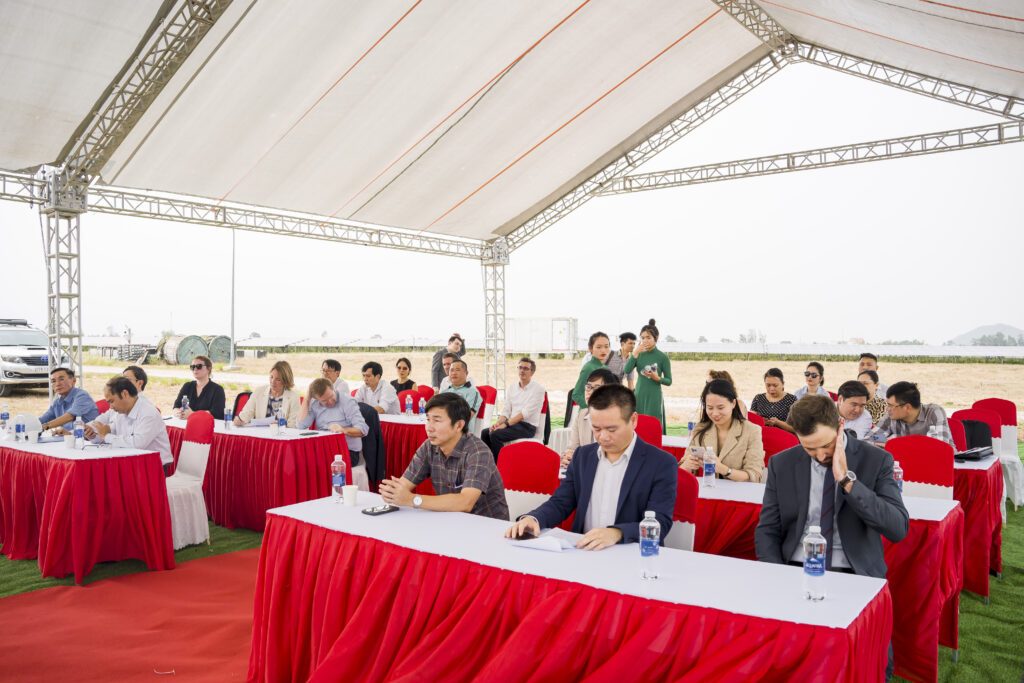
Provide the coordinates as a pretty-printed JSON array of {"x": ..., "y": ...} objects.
[
  {"x": 907, "y": 415},
  {"x": 460, "y": 466}
]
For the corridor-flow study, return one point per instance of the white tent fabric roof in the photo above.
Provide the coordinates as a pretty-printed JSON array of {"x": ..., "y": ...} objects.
[{"x": 460, "y": 118}]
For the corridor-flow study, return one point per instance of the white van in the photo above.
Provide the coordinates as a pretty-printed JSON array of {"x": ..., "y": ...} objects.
[{"x": 24, "y": 360}]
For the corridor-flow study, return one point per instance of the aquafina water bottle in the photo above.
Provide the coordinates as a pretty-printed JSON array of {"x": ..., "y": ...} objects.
[
  {"x": 184, "y": 406},
  {"x": 282, "y": 421},
  {"x": 79, "y": 433},
  {"x": 338, "y": 478},
  {"x": 19, "y": 429},
  {"x": 709, "y": 466},
  {"x": 227, "y": 418},
  {"x": 650, "y": 535},
  {"x": 423, "y": 405},
  {"x": 5, "y": 416},
  {"x": 408, "y": 404},
  {"x": 897, "y": 474},
  {"x": 814, "y": 564}
]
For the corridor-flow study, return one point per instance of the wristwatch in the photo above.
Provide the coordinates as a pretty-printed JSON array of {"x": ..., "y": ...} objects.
[
  {"x": 850, "y": 476},
  {"x": 727, "y": 474},
  {"x": 417, "y": 501}
]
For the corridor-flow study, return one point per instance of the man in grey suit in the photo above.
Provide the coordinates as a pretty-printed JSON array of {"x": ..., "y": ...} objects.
[{"x": 837, "y": 482}]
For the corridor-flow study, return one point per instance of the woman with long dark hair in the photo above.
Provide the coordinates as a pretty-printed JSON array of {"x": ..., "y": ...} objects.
[
  {"x": 739, "y": 454},
  {"x": 654, "y": 372}
]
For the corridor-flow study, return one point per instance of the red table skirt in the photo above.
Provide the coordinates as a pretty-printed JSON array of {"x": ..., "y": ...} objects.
[
  {"x": 71, "y": 514},
  {"x": 400, "y": 443},
  {"x": 925, "y": 572},
  {"x": 331, "y": 606},
  {"x": 246, "y": 476},
  {"x": 980, "y": 492}
]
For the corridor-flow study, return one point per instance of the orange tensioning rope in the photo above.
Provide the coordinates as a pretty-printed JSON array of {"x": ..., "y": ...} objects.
[{"x": 975, "y": 11}]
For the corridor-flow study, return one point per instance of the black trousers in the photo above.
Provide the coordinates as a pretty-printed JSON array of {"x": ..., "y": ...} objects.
[{"x": 498, "y": 438}]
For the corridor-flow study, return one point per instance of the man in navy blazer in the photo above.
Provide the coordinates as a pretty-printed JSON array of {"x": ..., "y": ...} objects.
[{"x": 609, "y": 483}]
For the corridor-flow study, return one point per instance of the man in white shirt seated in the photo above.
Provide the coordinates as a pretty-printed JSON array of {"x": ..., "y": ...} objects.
[
  {"x": 380, "y": 395},
  {"x": 520, "y": 418},
  {"x": 331, "y": 371},
  {"x": 131, "y": 422},
  {"x": 852, "y": 404}
]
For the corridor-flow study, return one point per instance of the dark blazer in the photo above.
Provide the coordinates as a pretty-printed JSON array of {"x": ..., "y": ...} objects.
[
  {"x": 873, "y": 508},
  {"x": 649, "y": 484},
  {"x": 373, "y": 444}
]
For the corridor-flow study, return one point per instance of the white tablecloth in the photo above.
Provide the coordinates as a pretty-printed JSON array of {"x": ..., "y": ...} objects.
[
  {"x": 59, "y": 450},
  {"x": 262, "y": 432}
]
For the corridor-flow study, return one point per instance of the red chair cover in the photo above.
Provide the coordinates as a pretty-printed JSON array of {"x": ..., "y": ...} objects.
[
  {"x": 755, "y": 418},
  {"x": 102, "y": 405},
  {"x": 488, "y": 394},
  {"x": 923, "y": 459},
  {"x": 834, "y": 395},
  {"x": 649, "y": 429},
  {"x": 241, "y": 400},
  {"x": 1006, "y": 410},
  {"x": 415, "y": 400},
  {"x": 956, "y": 429},
  {"x": 774, "y": 440},
  {"x": 354, "y": 393},
  {"x": 529, "y": 466},
  {"x": 199, "y": 428},
  {"x": 425, "y": 391},
  {"x": 687, "y": 490},
  {"x": 989, "y": 417}
]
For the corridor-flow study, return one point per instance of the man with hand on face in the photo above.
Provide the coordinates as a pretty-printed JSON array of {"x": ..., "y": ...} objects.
[
  {"x": 461, "y": 468},
  {"x": 131, "y": 422},
  {"x": 609, "y": 483},
  {"x": 338, "y": 413},
  {"x": 843, "y": 485}
]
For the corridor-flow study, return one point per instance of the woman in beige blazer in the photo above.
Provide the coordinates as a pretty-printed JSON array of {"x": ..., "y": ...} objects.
[
  {"x": 581, "y": 433},
  {"x": 739, "y": 454},
  {"x": 265, "y": 399}
]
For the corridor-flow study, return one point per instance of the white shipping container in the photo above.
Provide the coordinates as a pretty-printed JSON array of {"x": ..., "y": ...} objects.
[{"x": 541, "y": 335}]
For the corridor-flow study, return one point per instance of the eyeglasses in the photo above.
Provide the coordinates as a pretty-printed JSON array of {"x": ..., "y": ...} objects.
[
  {"x": 894, "y": 405},
  {"x": 525, "y": 368},
  {"x": 812, "y": 375},
  {"x": 592, "y": 387},
  {"x": 198, "y": 366}
]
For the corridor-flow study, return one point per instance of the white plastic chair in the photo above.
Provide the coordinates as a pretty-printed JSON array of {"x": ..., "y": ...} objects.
[{"x": 185, "y": 487}]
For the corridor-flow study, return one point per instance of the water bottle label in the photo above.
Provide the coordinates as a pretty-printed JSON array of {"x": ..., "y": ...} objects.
[
  {"x": 814, "y": 565},
  {"x": 648, "y": 547},
  {"x": 709, "y": 469},
  {"x": 338, "y": 479},
  {"x": 79, "y": 433},
  {"x": 900, "y": 482}
]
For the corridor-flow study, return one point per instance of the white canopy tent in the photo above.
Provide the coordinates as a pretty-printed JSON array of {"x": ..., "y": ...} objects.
[{"x": 459, "y": 128}]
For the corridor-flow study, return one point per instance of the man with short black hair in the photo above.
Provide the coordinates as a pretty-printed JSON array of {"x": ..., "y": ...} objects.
[
  {"x": 137, "y": 376},
  {"x": 845, "y": 487},
  {"x": 331, "y": 370},
  {"x": 70, "y": 403},
  {"x": 869, "y": 361},
  {"x": 131, "y": 422},
  {"x": 446, "y": 366},
  {"x": 437, "y": 371},
  {"x": 907, "y": 415},
  {"x": 617, "y": 359},
  {"x": 852, "y": 404},
  {"x": 610, "y": 483},
  {"x": 377, "y": 394},
  {"x": 520, "y": 417},
  {"x": 461, "y": 385},
  {"x": 458, "y": 464}
]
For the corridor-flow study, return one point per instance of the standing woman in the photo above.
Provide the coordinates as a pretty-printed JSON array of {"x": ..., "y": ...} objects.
[
  {"x": 654, "y": 371},
  {"x": 815, "y": 375},
  {"x": 202, "y": 393},
  {"x": 403, "y": 383},
  {"x": 774, "y": 404},
  {"x": 599, "y": 346}
]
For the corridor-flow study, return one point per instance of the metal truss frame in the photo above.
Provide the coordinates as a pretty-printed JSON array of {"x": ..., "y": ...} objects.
[
  {"x": 753, "y": 18},
  {"x": 825, "y": 157},
  {"x": 493, "y": 264}
]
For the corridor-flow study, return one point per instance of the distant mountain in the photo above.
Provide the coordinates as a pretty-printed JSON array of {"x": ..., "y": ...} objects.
[{"x": 967, "y": 338}]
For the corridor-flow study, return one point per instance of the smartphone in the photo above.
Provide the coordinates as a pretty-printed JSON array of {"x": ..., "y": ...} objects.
[
  {"x": 526, "y": 535},
  {"x": 380, "y": 510}
]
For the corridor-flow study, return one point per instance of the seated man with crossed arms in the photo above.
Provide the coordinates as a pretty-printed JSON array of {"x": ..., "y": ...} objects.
[{"x": 619, "y": 466}]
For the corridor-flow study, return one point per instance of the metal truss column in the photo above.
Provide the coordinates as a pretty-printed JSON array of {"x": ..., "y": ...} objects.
[
  {"x": 59, "y": 216},
  {"x": 493, "y": 263}
]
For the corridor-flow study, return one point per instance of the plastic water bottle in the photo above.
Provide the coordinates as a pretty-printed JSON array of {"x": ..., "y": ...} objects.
[
  {"x": 814, "y": 564},
  {"x": 338, "y": 478},
  {"x": 79, "y": 433},
  {"x": 5, "y": 416},
  {"x": 650, "y": 533},
  {"x": 19, "y": 429},
  {"x": 897, "y": 474},
  {"x": 933, "y": 431},
  {"x": 227, "y": 418},
  {"x": 709, "y": 466},
  {"x": 282, "y": 421},
  {"x": 423, "y": 405},
  {"x": 184, "y": 405},
  {"x": 408, "y": 405}
]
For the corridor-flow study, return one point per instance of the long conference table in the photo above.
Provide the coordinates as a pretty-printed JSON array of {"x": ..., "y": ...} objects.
[
  {"x": 443, "y": 596},
  {"x": 249, "y": 471},
  {"x": 73, "y": 508}
]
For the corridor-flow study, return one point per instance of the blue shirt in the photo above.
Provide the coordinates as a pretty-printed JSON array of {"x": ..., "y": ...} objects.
[
  {"x": 77, "y": 402},
  {"x": 344, "y": 412}
]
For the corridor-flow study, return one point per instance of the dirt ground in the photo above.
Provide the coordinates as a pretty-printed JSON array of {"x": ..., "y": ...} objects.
[{"x": 953, "y": 386}]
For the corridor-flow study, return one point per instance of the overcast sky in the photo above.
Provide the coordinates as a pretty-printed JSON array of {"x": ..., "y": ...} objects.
[{"x": 927, "y": 247}]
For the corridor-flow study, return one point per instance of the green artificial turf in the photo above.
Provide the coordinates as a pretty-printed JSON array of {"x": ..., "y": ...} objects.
[{"x": 21, "y": 576}]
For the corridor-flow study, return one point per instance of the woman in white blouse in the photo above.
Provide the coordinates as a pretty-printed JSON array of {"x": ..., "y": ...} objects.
[{"x": 266, "y": 400}]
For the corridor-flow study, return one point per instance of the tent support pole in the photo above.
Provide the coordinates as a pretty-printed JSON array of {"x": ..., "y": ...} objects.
[{"x": 493, "y": 262}]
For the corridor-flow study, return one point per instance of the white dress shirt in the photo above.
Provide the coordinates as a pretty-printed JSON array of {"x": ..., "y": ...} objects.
[
  {"x": 141, "y": 428},
  {"x": 341, "y": 387},
  {"x": 862, "y": 425},
  {"x": 383, "y": 397},
  {"x": 839, "y": 560},
  {"x": 528, "y": 400},
  {"x": 604, "y": 496}
]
